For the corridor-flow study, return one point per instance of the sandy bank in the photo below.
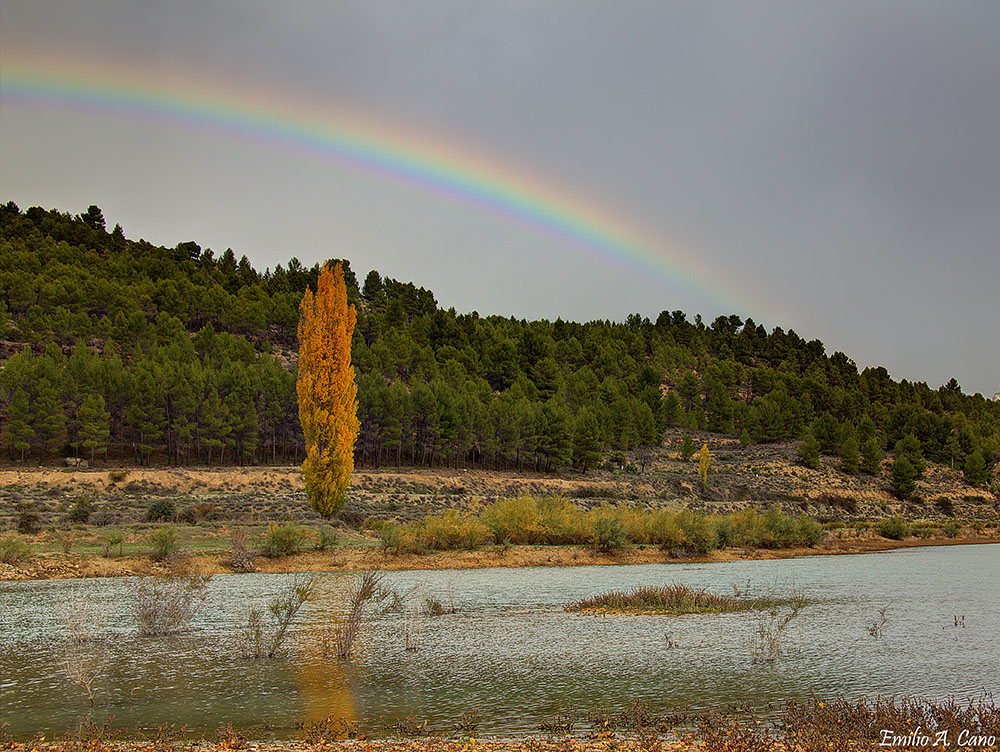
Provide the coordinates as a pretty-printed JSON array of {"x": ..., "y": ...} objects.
[{"x": 352, "y": 558}]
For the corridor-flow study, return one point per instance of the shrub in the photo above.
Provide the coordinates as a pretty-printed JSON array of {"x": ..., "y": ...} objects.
[
  {"x": 401, "y": 539},
  {"x": 13, "y": 549},
  {"x": 810, "y": 532},
  {"x": 607, "y": 532},
  {"x": 257, "y": 639},
  {"x": 163, "y": 605},
  {"x": 453, "y": 529},
  {"x": 561, "y": 521},
  {"x": 161, "y": 510},
  {"x": 113, "y": 538},
  {"x": 242, "y": 556},
  {"x": 285, "y": 539},
  {"x": 65, "y": 542},
  {"x": 117, "y": 476},
  {"x": 80, "y": 511},
  {"x": 699, "y": 535},
  {"x": 164, "y": 542},
  {"x": 516, "y": 519},
  {"x": 894, "y": 528},
  {"x": 664, "y": 530},
  {"x": 951, "y": 529},
  {"x": 27, "y": 518},
  {"x": 326, "y": 537}
]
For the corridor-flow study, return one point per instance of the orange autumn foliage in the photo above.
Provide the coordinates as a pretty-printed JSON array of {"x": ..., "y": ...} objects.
[{"x": 328, "y": 396}]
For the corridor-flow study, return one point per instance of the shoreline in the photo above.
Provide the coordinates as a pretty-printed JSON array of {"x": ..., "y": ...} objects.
[{"x": 52, "y": 566}]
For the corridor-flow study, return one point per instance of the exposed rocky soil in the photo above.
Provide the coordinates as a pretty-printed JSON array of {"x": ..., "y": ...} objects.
[{"x": 758, "y": 475}]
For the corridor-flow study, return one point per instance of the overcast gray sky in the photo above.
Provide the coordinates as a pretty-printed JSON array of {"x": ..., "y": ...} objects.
[{"x": 832, "y": 167}]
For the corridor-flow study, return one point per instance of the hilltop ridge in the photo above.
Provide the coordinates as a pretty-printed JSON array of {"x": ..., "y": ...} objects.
[{"x": 118, "y": 351}]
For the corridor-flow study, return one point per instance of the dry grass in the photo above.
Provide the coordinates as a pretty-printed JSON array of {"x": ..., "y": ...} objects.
[{"x": 678, "y": 599}]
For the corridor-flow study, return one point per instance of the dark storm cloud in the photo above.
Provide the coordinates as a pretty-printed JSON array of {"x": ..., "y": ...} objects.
[{"x": 839, "y": 159}]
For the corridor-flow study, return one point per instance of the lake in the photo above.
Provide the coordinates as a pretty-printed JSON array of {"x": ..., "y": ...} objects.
[{"x": 510, "y": 651}]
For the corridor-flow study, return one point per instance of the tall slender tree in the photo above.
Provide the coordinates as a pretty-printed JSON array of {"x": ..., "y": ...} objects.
[{"x": 328, "y": 395}]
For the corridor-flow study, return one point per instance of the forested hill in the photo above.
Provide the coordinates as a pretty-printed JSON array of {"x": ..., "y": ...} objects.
[{"x": 120, "y": 350}]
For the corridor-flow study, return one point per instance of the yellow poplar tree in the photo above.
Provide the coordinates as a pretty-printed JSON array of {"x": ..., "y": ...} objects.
[
  {"x": 704, "y": 462},
  {"x": 328, "y": 396}
]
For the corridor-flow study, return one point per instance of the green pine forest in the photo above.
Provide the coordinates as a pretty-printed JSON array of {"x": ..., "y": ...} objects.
[{"x": 119, "y": 351}]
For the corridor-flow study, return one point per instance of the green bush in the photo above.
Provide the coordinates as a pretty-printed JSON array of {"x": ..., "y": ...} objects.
[
  {"x": 80, "y": 511},
  {"x": 951, "y": 529},
  {"x": 161, "y": 510},
  {"x": 401, "y": 539},
  {"x": 894, "y": 528},
  {"x": 326, "y": 537},
  {"x": 810, "y": 532},
  {"x": 664, "y": 530},
  {"x": 699, "y": 533},
  {"x": 452, "y": 529},
  {"x": 165, "y": 542},
  {"x": 111, "y": 539},
  {"x": 517, "y": 519},
  {"x": 561, "y": 521},
  {"x": 27, "y": 518},
  {"x": 13, "y": 549},
  {"x": 285, "y": 539},
  {"x": 607, "y": 533}
]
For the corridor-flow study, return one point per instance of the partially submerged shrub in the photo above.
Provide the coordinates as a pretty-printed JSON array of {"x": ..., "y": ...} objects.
[
  {"x": 284, "y": 539},
  {"x": 366, "y": 594},
  {"x": 163, "y": 605},
  {"x": 13, "y": 549},
  {"x": 259, "y": 635}
]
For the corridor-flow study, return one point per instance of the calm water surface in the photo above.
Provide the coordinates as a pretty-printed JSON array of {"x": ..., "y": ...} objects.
[{"x": 510, "y": 650}]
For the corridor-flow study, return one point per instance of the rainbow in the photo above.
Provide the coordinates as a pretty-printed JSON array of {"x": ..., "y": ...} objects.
[{"x": 189, "y": 100}]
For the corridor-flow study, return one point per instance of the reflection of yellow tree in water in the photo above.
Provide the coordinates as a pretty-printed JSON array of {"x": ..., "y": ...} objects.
[
  {"x": 324, "y": 686},
  {"x": 335, "y": 636},
  {"x": 324, "y": 681}
]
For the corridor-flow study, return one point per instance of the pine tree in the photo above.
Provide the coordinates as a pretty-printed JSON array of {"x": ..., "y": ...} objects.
[
  {"x": 909, "y": 447},
  {"x": 849, "y": 455},
  {"x": 975, "y": 471},
  {"x": 18, "y": 432},
  {"x": 904, "y": 477},
  {"x": 49, "y": 422},
  {"x": 328, "y": 403},
  {"x": 871, "y": 456},
  {"x": 586, "y": 440},
  {"x": 94, "y": 424},
  {"x": 808, "y": 453},
  {"x": 687, "y": 447}
]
